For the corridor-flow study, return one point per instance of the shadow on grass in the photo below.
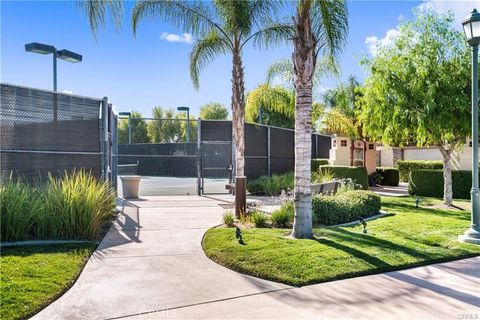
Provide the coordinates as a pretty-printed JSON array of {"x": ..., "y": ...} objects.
[
  {"x": 24, "y": 251},
  {"x": 403, "y": 207}
]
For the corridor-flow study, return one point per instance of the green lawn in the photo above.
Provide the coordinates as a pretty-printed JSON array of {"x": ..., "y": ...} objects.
[
  {"x": 32, "y": 277},
  {"x": 408, "y": 237}
]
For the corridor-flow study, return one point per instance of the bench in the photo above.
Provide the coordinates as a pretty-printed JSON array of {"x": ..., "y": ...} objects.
[{"x": 326, "y": 188}]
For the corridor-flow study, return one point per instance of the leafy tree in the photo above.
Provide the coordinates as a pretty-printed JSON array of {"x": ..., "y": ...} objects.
[
  {"x": 138, "y": 129},
  {"x": 275, "y": 106},
  {"x": 213, "y": 111},
  {"x": 169, "y": 126},
  {"x": 418, "y": 89},
  {"x": 319, "y": 28}
]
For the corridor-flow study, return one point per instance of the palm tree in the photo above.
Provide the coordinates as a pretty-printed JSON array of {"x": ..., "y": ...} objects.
[
  {"x": 320, "y": 27},
  {"x": 219, "y": 27}
]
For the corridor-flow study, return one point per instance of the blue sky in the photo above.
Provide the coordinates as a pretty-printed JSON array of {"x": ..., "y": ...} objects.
[{"x": 152, "y": 69}]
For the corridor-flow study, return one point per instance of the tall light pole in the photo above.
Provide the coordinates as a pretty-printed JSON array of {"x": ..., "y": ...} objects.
[
  {"x": 186, "y": 109},
  {"x": 66, "y": 55},
  {"x": 129, "y": 115},
  {"x": 471, "y": 27}
]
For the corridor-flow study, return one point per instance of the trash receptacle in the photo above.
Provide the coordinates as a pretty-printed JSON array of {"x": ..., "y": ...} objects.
[{"x": 130, "y": 185}]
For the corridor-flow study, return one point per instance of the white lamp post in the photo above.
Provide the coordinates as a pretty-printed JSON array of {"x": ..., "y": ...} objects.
[{"x": 471, "y": 27}]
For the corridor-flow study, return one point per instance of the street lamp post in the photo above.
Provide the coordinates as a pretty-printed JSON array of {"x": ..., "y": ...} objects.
[
  {"x": 66, "y": 55},
  {"x": 186, "y": 109},
  {"x": 471, "y": 27},
  {"x": 129, "y": 115}
]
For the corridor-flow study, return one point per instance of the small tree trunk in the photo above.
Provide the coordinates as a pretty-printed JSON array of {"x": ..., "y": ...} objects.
[
  {"x": 447, "y": 176},
  {"x": 304, "y": 58},
  {"x": 238, "y": 107}
]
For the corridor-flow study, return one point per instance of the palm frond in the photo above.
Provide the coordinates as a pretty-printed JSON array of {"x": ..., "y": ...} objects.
[
  {"x": 204, "y": 51},
  {"x": 281, "y": 70},
  {"x": 275, "y": 99},
  {"x": 271, "y": 34},
  {"x": 193, "y": 16},
  {"x": 330, "y": 25},
  {"x": 235, "y": 16},
  {"x": 96, "y": 12},
  {"x": 335, "y": 122}
]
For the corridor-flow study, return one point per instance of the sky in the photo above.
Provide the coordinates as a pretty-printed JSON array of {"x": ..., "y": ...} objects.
[{"x": 152, "y": 69}]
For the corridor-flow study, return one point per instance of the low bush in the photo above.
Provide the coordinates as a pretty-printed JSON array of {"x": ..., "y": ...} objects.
[
  {"x": 406, "y": 166},
  {"x": 429, "y": 183},
  {"x": 359, "y": 174},
  {"x": 75, "y": 206},
  {"x": 317, "y": 163},
  {"x": 388, "y": 176},
  {"x": 19, "y": 208},
  {"x": 259, "y": 219},
  {"x": 322, "y": 175},
  {"x": 271, "y": 186},
  {"x": 283, "y": 217},
  {"x": 345, "y": 207},
  {"x": 228, "y": 219}
]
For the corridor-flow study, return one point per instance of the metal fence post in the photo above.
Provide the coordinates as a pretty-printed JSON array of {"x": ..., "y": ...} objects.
[
  {"x": 105, "y": 152},
  {"x": 199, "y": 157},
  {"x": 269, "y": 161}
]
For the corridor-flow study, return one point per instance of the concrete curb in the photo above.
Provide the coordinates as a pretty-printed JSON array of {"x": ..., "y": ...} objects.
[{"x": 42, "y": 242}]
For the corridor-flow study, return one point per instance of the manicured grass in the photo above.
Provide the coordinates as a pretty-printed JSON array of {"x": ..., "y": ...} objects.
[
  {"x": 409, "y": 237},
  {"x": 32, "y": 277}
]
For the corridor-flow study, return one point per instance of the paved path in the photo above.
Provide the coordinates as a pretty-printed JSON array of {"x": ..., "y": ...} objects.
[{"x": 151, "y": 266}]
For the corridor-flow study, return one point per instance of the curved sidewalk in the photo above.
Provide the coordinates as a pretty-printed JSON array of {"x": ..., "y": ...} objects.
[{"x": 151, "y": 265}]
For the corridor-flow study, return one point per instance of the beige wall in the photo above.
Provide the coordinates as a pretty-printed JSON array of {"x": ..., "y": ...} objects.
[
  {"x": 461, "y": 160},
  {"x": 341, "y": 155}
]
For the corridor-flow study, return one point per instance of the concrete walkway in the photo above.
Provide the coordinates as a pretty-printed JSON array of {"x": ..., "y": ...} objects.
[{"x": 151, "y": 266}]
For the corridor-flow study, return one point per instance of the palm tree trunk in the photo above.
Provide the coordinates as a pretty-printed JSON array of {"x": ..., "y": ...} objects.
[
  {"x": 238, "y": 107},
  {"x": 304, "y": 65},
  {"x": 447, "y": 176}
]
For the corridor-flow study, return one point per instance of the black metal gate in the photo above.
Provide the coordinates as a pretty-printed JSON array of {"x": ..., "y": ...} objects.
[{"x": 216, "y": 166}]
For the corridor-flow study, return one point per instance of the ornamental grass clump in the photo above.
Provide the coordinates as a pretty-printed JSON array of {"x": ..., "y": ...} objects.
[
  {"x": 229, "y": 219},
  {"x": 259, "y": 219},
  {"x": 283, "y": 217},
  {"x": 75, "y": 206},
  {"x": 19, "y": 207}
]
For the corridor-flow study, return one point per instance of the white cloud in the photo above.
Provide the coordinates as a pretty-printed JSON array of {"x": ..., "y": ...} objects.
[
  {"x": 67, "y": 91},
  {"x": 171, "y": 37},
  {"x": 460, "y": 8},
  {"x": 374, "y": 43}
]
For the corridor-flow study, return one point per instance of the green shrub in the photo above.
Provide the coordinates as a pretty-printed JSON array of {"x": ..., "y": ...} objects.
[
  {"x": 406, "y": 166},
  {"x": 283, "y": 217},
  {"x": 228, "y": 219},
  {"x": 388, "y": 176},
  {"x": 323, "y": 174},
  {"x": 19, "y": 208},
  {"x": 345, "y": 207},
  {"x": 359, "y": 174},
  {"x": 271, "y": 186},
  {"x": 429, "y": 183},
  {"x": 317, "y": 163},
  {"x": 259, "y": 219},
  {"x": 72, "y": 207}
]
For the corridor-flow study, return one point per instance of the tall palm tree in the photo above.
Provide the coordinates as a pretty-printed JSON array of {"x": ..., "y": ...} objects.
[
  {"x": 320, "y": 27},
  {"x": 219, "y": 27}
]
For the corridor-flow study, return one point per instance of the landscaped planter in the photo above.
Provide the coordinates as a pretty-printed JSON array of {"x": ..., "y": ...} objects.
[
  {"x": 327, "y": 188},
  {"x": 130, "y": 186}
]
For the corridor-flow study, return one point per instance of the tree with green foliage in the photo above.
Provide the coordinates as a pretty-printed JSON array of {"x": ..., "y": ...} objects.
[
  {"x": 168, "y": 126},
  {"x": 138, "y": 129},
  {"x": 213, "y": 111},
  {"x": 219, "y": 27},
  {"x": 418, "y": 89}
]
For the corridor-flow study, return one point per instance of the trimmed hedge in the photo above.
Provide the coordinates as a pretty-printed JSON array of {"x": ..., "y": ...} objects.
[
  {"x": 429, "y": 183},
  {"x": 359, "y": 174},
  {"x": 406, "y": 166},
  {"x": 345, "y": 207},
  {"x": 317, "y": 163},
  {"x": 388, "y": 176}
]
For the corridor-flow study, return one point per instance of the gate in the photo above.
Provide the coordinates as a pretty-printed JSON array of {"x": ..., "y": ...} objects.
[{"x": 216, "y": 166}]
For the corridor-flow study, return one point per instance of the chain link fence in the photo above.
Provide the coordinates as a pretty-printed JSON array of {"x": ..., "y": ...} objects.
[{"x": 45, "y": 132}]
